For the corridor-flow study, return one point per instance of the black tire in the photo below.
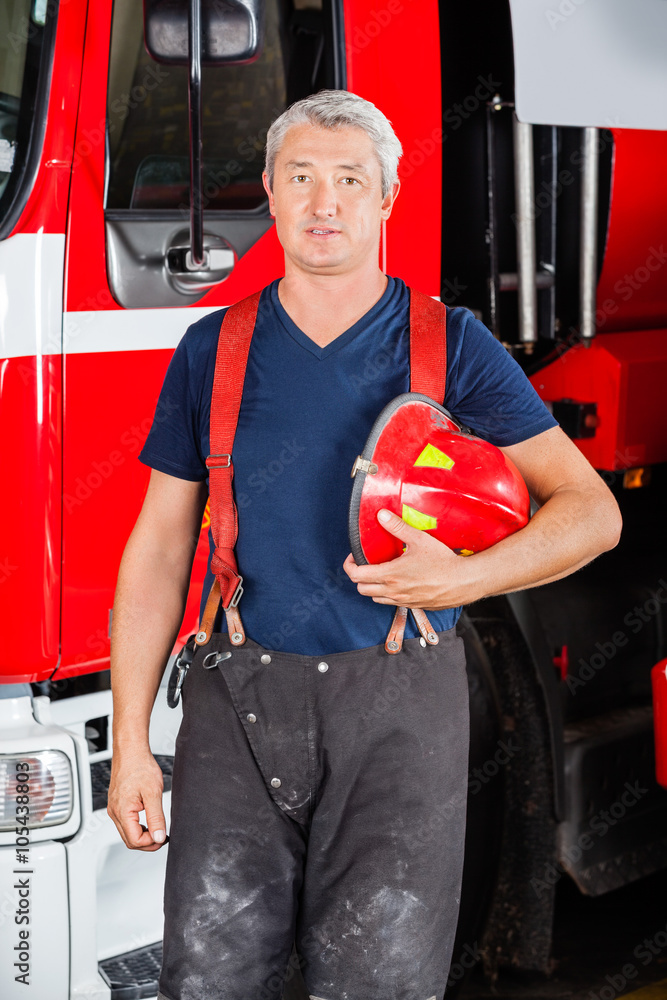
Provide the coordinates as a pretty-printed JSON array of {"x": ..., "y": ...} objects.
[{"x": 486, "y": 795}]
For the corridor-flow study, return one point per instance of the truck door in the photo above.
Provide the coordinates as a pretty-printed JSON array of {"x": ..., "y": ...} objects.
[
  {"x": 128, "y": 299},
  {"x": 40, "y": 70}
]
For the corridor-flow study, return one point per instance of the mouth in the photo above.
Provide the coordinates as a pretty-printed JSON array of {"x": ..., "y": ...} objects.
[{"x": 322, "y": 232}]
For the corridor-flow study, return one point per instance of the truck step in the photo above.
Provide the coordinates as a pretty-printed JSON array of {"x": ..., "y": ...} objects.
[
  {"x": 134, "y": 975},
  {"x": 615, "y": 828},
  {"x": 100, "y": 775}
]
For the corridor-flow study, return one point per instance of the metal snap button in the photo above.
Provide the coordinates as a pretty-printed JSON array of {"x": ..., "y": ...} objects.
[
  {"x": 323, "y": 667},
  {"x": 276, "y": 782},
  {"x": 251, "y": 718},
  {"x": 265, "y": 658},
  {"x": 422, "y": 641}
]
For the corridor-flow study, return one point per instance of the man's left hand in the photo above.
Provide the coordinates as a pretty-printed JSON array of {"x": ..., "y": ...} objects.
[{"x": 427, "y": 575}]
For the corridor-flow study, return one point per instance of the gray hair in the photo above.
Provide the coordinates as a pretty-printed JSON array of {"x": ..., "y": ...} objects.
[{"x": 337, "y": 109}]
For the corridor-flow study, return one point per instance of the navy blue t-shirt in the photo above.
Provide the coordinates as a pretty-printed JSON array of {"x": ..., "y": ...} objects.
[{"x": 305, "y": 415}]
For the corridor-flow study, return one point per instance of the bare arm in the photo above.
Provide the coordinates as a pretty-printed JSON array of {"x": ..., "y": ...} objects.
[
  {"x": 577, "y": 520},
  {"x": 148, "y": 611}
]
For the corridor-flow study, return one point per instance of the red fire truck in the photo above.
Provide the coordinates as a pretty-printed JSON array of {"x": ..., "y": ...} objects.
[{"x": 533, "y": 193}]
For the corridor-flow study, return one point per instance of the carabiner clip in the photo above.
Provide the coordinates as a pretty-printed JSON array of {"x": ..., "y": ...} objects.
[{"x": 178, "y": 672}]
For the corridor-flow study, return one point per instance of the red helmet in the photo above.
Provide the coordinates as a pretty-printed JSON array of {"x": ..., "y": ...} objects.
[{"x": 421, "y": 464}]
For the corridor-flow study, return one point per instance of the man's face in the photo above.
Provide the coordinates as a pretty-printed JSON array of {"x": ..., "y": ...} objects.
[{"x": 327, "y": 199}]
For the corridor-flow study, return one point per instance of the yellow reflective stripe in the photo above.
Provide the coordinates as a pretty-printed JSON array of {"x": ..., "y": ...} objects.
[
  {"x": 434, "y": 458},
  {"x": 418, "y": 520},
  {"x": 656, "y": 991}
]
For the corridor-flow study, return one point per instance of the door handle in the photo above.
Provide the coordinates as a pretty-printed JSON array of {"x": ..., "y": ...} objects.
[{"x": 189, "y": 278}]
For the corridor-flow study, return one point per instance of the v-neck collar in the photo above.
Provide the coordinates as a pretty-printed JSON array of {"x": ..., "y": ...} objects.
[{"x": 343, "y": 338}]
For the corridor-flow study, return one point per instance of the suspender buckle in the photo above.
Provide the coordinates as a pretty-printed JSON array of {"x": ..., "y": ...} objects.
[
  {"x": 210, "y": 464},
  {"x": 237, "y": 594}
]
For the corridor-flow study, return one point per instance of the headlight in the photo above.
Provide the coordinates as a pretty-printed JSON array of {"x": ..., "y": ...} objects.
[{"x": 35, "y": 789}]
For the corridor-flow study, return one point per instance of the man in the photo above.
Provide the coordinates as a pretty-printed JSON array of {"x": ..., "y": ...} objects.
[{"x": 296, "y": 806}]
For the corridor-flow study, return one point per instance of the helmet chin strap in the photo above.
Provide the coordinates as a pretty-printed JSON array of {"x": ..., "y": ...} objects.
[{"x": 394, "y": 641}]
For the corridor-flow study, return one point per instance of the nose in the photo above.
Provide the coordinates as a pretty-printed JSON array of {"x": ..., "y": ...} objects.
[{"x": 323, "y": 200}]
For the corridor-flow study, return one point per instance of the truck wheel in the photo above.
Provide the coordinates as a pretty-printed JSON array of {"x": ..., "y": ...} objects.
[{"x": 484, "y": 809}]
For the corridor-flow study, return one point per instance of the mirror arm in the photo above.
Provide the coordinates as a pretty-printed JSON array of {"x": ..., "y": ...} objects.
[{"x": 195, "y": 112}]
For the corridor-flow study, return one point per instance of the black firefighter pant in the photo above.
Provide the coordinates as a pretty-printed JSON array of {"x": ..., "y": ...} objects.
[{"x": 318, "y": 800}]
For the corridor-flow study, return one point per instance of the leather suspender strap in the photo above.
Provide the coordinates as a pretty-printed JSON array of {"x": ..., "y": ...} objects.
[
  {"x": 428, "y": 375},
  {"x": 394, "y": 640},
  {"x": 230, "y": 367},
  {"x": 428, "y": 346}
]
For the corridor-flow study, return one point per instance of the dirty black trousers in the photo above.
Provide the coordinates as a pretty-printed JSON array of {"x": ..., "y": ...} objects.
[{"x": 317, "y": 800}]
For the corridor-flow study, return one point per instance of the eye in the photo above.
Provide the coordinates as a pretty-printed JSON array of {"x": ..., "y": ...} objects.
[
  {"x": 300, "y": 177},
  {"x": 350, "y": 180}
]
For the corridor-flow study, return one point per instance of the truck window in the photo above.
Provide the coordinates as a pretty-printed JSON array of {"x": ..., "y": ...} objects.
[
  {"x": 147, "y": 184},
  {"x": 148, "y": 166},
  {"x": 26, "y": 33}
]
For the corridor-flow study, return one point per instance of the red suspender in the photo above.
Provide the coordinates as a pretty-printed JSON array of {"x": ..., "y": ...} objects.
[
  {"x": 428, "y": 372},
  {"x": 428, "y": 375},
  {"x": 428, "y": 346},
  {"x": 230, "y": 365}
]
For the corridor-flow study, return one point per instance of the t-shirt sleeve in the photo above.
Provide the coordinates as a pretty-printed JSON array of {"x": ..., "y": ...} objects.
[
  {"x": 486, "y": 388},
  {"x": 173, "y": 442}
]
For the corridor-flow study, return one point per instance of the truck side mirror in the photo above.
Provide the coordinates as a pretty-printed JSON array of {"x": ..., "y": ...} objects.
[
  {"x": 231, "y": 31},
  {"x": 194, "y": 33}
]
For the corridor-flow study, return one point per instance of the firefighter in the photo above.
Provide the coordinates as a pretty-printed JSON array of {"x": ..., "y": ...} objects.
[{"x": 319, "y": 784}]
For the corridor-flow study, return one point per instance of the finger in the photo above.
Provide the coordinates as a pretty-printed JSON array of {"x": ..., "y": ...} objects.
[
  {"x": 145, "y": 842},
  {"x": 412, "y": 536},
  {"x": 349, "y": 565},
  {"x": 118, "y": 825},
  {"x": 152, "y": 846},
  {"x": 372, "y": 573},
  {"x": 136, "y": 834},
  {"x": 398, "y": 527},
  {"x": 155, "y": 817},
  {"x": 369, "y": 572},
  {"x": 374, "y": 589}
]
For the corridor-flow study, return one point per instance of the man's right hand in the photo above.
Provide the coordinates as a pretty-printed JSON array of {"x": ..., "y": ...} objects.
[
  {"x": 136, "y": 784},
  {"x": 152, "y": 588}
]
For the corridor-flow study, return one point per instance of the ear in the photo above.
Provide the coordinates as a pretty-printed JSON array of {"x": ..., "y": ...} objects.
[
  {"x": 389, "y": 199},
  {"x": 267, "y": 188}
]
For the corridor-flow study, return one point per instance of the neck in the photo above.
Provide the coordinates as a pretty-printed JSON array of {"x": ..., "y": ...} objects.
[{"x": 325, "y": 305}]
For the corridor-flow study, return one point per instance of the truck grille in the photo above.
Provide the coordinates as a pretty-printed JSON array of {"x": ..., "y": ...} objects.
[
  {"x": 100, "y": 775},
  {"x": 134, "y": 975}
]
